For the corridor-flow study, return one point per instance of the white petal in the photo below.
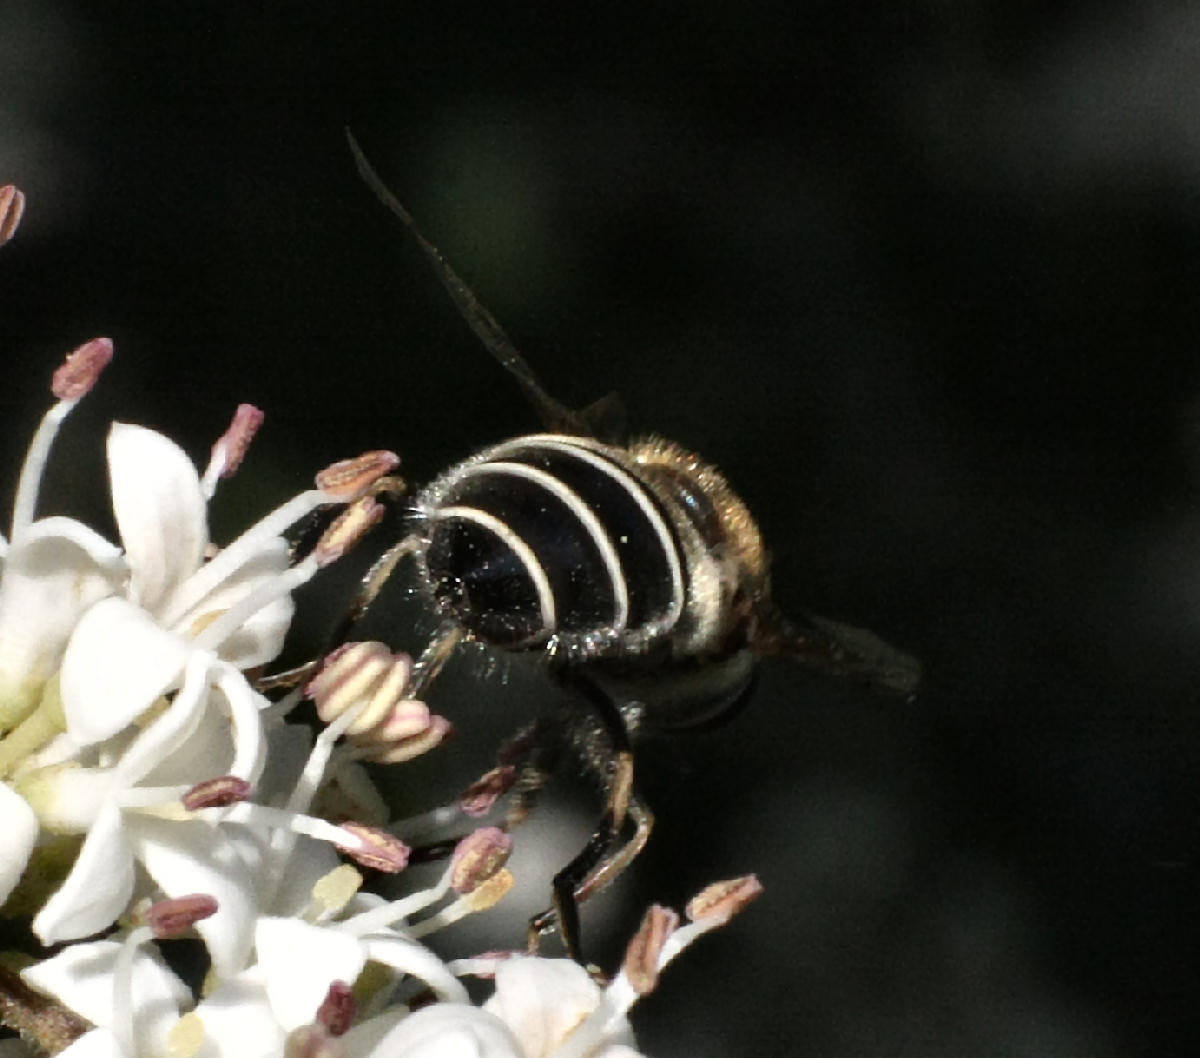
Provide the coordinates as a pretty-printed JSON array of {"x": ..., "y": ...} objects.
[
  {"x": 309, "y": 860},
  {"x": 207, "y": 753},
  {"x": 65, "y": 797},
  {"x": 160, "y": 510},
  {"x": 60, "y": 749},
  {"x": 191, "y": 857},
  {"x": 168, "y": 732},
  {"x": 544, "y": 1000},
  {"x": 99, "y": 1043},
  {"x": 300, "y": 962},
  {"x": 364, "y": 1039},
  {"x": 307, "y": 863},
  {"x": 288, "y": 748},
  {"x": 351, "y": 794},
  {"x": 448, "y": 1030},
  {"x": 116, "y": 665},
  {"x": 57, "y": 570},
  {"x": 17, "y": 835},
  {"x": 98, "y": 888},
  {"x": 194, "y": 604},
  {"x": 244, "y": 707},
  {"x": 238, "y": 1020},
  {"x": 415, "y": 960},
  {"x": 226, "y": 739},
  {"x": 95, "y": 554},
  {"x": 81, "y": 977},
  {"x": 260, "y": 639}
]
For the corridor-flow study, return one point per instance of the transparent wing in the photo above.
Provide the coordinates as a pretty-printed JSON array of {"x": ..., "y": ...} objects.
[{"x": 844, "y": 650}]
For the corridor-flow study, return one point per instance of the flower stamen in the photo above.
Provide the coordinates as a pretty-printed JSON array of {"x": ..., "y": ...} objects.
[
  {"x": 350, "y": 479},
  {"x": 478, "y": 857},
  {"x": 12, "y": 207},
  {"x": 168, "y": 919},
  {"x": 73, "y": 380},
  {"x": 217, "y": 793},
  {"x": 358, "y": 519},
  {"x": 376, "y": 848},
  {"x": 337, "y": 1012},
  {"x": 230, "y": 448}
]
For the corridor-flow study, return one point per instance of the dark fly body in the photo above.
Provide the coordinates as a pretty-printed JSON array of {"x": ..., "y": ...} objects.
[{"x": 633, "y": 567}]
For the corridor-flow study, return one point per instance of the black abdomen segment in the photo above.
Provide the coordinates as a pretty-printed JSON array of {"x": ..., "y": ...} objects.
[{"x": 551, "y": 535}]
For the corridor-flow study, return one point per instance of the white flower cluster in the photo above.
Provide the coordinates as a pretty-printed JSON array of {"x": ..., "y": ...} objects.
[{"x": 149, "y": 791}]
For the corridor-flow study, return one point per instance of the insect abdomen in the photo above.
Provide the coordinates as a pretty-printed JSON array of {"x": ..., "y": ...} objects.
[{"x": 552, "y": 536}]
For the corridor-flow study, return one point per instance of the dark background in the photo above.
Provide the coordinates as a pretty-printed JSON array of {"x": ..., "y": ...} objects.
[{"x": 920, "y": 277}]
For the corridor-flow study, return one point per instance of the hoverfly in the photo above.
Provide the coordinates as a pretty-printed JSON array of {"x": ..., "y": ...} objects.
[{"x": 633, "y": 567}]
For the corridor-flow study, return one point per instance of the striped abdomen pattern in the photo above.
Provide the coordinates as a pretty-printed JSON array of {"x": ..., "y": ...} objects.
[{"x": 553, "y": 538}]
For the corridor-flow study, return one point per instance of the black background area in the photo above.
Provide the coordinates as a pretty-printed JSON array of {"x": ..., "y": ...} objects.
[{"x": 920, "y": 278}]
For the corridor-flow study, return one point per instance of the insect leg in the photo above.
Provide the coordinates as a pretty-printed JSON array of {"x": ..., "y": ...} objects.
[
  {"x": 600, "y": 740},
  {"x": 611, "y": 866},
  {"x": 433, "y": 657},
  {"x": 372, "y": 584},
  {"x": 600, "y": 861}
]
